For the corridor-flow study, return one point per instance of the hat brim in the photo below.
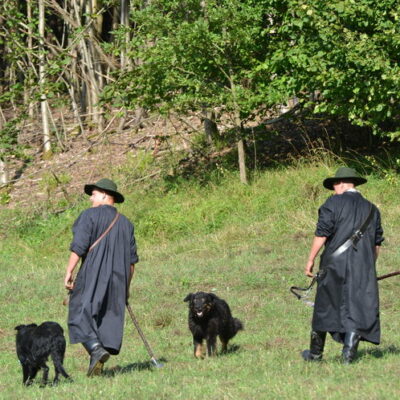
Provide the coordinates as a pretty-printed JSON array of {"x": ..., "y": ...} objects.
[
  {"x": 328, "y": 182},
  {"x": 118, "y": 198}
]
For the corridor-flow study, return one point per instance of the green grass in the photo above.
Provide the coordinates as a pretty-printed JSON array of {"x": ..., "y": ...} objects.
[{"x": 248, "y": 244}]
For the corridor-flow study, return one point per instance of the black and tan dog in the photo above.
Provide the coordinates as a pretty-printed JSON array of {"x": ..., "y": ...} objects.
[
  {"x": 35, "y": 344},
  {"x": 209, "y": 317}
]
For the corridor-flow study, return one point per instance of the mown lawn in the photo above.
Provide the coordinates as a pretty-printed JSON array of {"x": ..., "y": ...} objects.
[{"x": 247, "y": 245}]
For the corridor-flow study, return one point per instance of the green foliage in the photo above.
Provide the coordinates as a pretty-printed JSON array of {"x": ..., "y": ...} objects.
[
  {"x": 136, "y": 166},
  {"x": 4, "y": 196},
  {"x": 345, "y": 53},
  {"x": 339, "y": 58},
  {"x": 9, "y": 139},
  {"x": 50, "y": 181},
  {"x": 387, "y": 168},
  {"x": 239, "y": 57},
  {"x": 19, "y": 72},
  {"x": 192, "y": 57}
]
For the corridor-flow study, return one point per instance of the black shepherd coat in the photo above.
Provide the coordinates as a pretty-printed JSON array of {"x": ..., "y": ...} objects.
[
  {"x": 347, "y": 295},
  {"x": 97, "y": 302}
]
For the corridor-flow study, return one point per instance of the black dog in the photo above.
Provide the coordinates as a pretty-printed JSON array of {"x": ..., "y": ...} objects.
[
  {"x": 209, "y": 317},
  {"x": 35, "y": 344}
]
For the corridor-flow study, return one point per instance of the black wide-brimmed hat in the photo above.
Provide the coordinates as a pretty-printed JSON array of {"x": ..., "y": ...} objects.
[
  {"x": 344, "y": 173},
  {"x": 108, "y": 186}
]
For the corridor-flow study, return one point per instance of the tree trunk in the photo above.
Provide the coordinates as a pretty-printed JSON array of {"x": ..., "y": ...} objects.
[
  {"x": 124, "y": 21},
  {"x": 3, "y": 170},
  {"x": 94, "y": 67},
  {"x": 210, "y": 127},
  {"x": 239, "y": 128},
  {"x": 42, "y": 74},
  {"x": 3, "y": 173},
  {"x": 124, "y": 61},
  {"x": 242, "y": 161},
  {"x": 30, "y": 73}
]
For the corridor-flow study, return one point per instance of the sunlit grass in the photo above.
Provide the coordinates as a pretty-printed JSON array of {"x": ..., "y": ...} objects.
[{"x": 248, "y": 244}]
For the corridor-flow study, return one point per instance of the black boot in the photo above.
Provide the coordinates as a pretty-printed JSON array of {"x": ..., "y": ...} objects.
[
  {"x": 351, "y": 341},
  {"x": 317, "y": 344},
  {"x": 98, "y": 356}
]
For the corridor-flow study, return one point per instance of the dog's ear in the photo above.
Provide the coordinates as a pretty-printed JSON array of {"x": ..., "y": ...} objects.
[
  {"x": 213, "y": 296},
  {"x": 17, "y": 328},
  {"x": 189, "y": 297}
]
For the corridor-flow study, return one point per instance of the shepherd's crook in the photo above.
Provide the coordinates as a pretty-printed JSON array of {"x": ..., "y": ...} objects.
[
  {"x": 388, "y": 275},
  {"x": 307, "y": 290},
  {"x": 146, "y": 343}
]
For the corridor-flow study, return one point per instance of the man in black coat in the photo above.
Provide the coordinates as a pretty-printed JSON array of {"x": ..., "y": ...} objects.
[
  {"x": 100, "y": 291},
  {"x": 347, "y": 299}
]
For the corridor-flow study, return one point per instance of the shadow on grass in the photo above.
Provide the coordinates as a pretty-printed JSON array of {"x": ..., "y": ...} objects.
[
  {"x": 378, "y": 352},
  {"x": 139, "y": 366},
  {"x": 375, "y": 353},
  {"x": 231, "y": 350}
]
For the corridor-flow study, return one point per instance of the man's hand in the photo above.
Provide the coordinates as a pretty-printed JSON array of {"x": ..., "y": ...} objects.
[
  {"x": 69, "y": 281},
  {"x": 309, "y": 268},
  {"x": 317, "y": 243},
  {"x": 132, "y": 270}
]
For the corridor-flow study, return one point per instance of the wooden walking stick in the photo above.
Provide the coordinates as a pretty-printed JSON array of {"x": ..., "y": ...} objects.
[
  {"x": 153, "y": 359},
  {"x": 378, "y": 278}
]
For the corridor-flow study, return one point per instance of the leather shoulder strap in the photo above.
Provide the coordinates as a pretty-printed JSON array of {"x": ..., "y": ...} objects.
[
  {"x": 105, "y": 232},
  {"x": 358, "y": 234},
  {"x": 355, "y": 237},
  {"x": 364, "y": 226}
]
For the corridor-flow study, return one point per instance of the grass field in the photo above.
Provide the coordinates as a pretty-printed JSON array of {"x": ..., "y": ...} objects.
[{"x": 247, "y": 244}]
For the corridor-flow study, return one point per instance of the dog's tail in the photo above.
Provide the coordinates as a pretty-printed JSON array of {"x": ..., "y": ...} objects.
[{"x": 238, "y": 325}]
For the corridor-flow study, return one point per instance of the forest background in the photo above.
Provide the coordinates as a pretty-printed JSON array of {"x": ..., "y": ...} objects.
[
  {"x": 219, "y": 120},
  {"x": 72, "y": 70}
]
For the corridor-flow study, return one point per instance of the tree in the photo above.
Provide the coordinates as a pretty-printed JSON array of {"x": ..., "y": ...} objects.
[
  {"x": 50, "y": 50},
  {"x": 346, "y": 52},
  {"x": 196, "y": 55},
  {"x": 42, "y": 77},
  {"x": 237, "y": 57}
]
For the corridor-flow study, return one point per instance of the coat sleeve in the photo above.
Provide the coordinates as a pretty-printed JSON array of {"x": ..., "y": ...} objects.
[
  {"x": 378, "y": 231},
  {"x": 82, "y": 230},
  {"x": 133, "y": 249},
  {"x": 326, "y": 221}
]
